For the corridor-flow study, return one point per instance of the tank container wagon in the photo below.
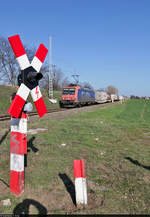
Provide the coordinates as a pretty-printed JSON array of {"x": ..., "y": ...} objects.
[{"x": 76, "y": 96}]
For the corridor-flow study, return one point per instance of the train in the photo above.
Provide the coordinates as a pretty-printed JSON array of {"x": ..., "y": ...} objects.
[{"x": 77, "y": 96}]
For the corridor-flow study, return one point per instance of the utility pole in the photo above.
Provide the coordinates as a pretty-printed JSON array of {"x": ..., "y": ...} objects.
[{"x": 50, "y": 69}]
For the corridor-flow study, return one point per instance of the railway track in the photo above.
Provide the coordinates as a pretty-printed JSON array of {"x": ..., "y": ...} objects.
[{"x": 7, "y": 117}]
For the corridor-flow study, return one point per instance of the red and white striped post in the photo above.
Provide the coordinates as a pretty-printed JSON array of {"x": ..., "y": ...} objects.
[
  {"x": 80, "y": 182},
  {"x": 17, "y": 150},
  {"x": 30, "y": 76}
]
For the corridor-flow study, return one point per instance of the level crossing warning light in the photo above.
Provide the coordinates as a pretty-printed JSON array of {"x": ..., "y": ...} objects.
[{"x": 28, "y": 79}]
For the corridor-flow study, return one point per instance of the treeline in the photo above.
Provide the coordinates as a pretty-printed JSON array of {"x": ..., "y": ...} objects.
[
  {"x": 9, "y": 70},
  {"x": 138, "y": 97}
]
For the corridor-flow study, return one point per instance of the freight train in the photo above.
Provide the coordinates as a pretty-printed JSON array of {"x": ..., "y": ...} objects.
[{"x": 76, "y": 96}]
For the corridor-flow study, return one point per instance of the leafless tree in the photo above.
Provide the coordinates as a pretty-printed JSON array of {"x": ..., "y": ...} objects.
[
  {"x": 65, "y": 82},
  {"x": 112, "y": 90},
  {"x": 86, "y": 85},
  {"x": 58, "y": 78},
  {"x": 9, "y": 68}
]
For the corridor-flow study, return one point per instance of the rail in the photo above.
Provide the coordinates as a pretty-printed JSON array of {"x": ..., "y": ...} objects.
[{"x": 7, "y": 117}]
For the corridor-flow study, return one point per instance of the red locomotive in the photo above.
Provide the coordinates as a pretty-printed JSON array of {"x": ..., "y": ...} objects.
[{"x": 73, "y": 96}]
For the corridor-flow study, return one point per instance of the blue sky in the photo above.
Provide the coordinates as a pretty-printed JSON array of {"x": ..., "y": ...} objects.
[{"x": 106, "y": 42}]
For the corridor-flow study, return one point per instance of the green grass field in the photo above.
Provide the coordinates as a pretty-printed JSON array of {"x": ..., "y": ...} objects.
[
  {"x": 6, "y": 91},
  {"x": 115, "y": 144}
]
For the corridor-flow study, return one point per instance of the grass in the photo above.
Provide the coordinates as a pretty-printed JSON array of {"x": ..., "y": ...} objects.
[
  {"x": 6, "y": 91},
  {"x": 115, "y": 144}
]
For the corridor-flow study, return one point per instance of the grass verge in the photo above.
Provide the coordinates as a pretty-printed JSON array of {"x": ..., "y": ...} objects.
[{"x": 115, "y": 143}]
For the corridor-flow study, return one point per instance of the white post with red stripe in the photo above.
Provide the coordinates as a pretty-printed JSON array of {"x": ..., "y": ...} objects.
[
  {"x": 17, "y": 150},
  {"x": 80, "y": 182}
]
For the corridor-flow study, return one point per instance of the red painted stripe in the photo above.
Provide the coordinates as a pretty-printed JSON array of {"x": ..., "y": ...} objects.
[
  {"x": 79, "y": 171},
  {"x": 16, "y": 45},
  {"x": 16, "y": 106},
  {"x": 16, "y": 182},
  {"x": 23, "y": 115},
  {"x": 41, "y": 53},
  {"x": 77, "y": 168},
  {"x": 82, "y": 168},
  {"x": 40, "y": 106},
  {"x": 18, "y": 143}
]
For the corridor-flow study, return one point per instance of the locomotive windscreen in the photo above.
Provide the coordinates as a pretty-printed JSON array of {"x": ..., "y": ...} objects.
[{"x": 68, "y": 91}]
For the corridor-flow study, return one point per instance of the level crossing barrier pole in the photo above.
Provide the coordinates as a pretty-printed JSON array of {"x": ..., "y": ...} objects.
[
  {"x": 28, "y": 81},
  {"x": 18, "y": 148}
]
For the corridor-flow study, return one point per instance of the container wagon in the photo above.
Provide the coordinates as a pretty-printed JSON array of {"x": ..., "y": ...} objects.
[
  {"x": 101, "y": 96},
  {"x": 114, "y": 97}
]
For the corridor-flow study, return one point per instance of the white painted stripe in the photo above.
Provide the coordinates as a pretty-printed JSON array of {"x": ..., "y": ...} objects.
[
  {"x": 23, "y": 91},
  {"x": 19, "y": 125},
  {"x": 36, "y": 64},
  {"x": 36, "y": 94},
  {"x": 23, "y": 62},
  {"x": 81, "y": 191},
  {"x": 16, "y": 162}
]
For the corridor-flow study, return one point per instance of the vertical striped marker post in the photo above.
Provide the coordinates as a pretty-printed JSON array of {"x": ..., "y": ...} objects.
[
  {"x": 80, "y": 182},
  {"x": 18, "y": 148}
]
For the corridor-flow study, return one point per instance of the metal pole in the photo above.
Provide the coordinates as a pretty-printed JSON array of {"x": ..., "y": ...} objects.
[
  {"x": 18, "y": 149},
  {"x": 50, "y": 69}
]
